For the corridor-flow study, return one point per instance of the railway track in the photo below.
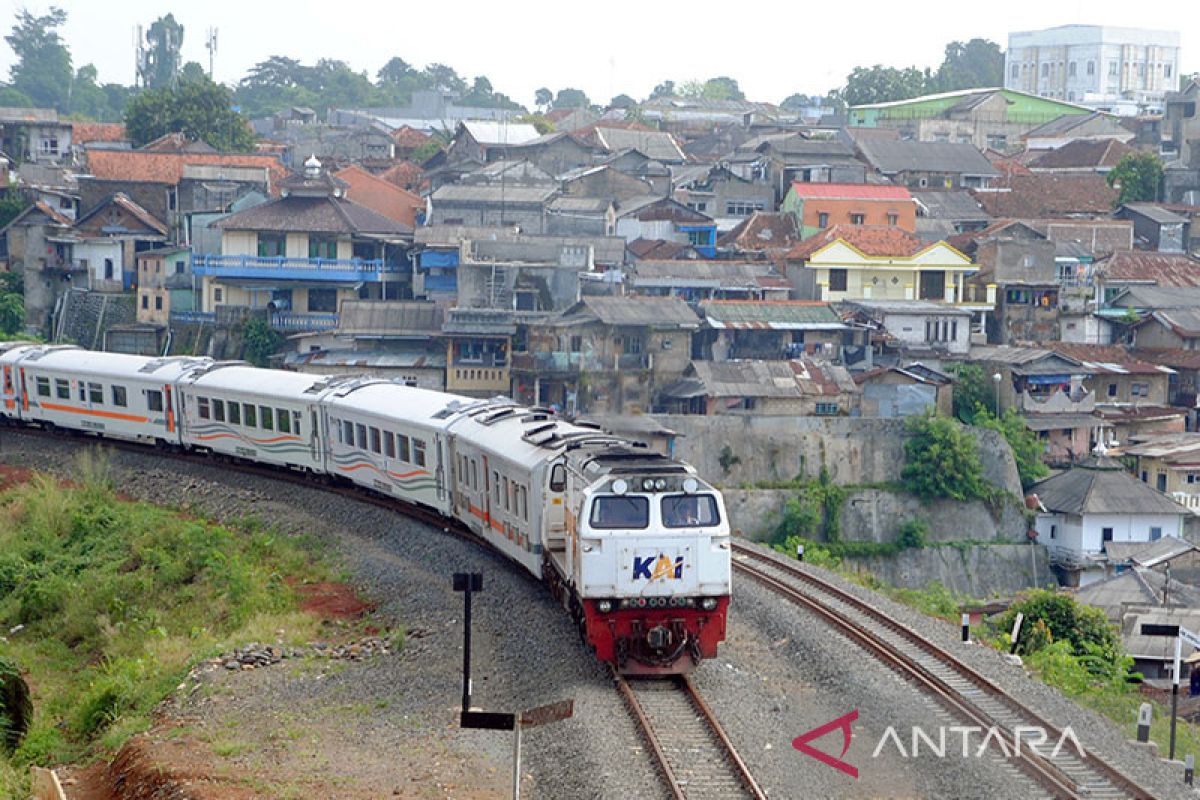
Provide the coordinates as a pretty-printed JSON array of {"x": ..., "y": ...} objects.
[
  {"x": 965, "y": 692},
  {"x": 691, "y": 749}
]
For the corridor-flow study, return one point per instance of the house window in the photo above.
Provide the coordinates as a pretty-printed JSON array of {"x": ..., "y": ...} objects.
[
  {"x": 1016, "y": 71},
  {"x": 1155, "y": 534},
  {"x": 322, "y": 300},
  {"x": 158, "y": 303},
  {"x": 837, "y": 280},
  {"x": 1166, "y": 70},
  {"x": 146, "y": 302},
  {"x": 823, "y": 220},
  {"x": 108, "y": 269},
  {"x": 1112, "y": 69},
  {"x": 827, "y": 409},
  {"x": 1146, "y": 477},
  {"x": 179, "y": 267},
  {"x": 1053, "y": 531},
  {"x": 576, "y": 344},
  {"x": 997, "y": 141},
  {"x": 1091, "y": 68},
  {"x": 322, "y": 247},
  {"x": 272, "y": 245},
  {"x": 218, "y": 294},
  {"x": 48, "y": 146},
  {"x": 699, "y": 238},
  {"x": 893, "y": 218},
  {"x": 630, "y": 344},
  {"x": 1045, "y": 70},
  {"x": 1071, "y": 69},
  {"x": 1112, "y": 390},
  {"x": 858, "y": 219},
  {"x": 1140, "y": 390},
  {"x": 1160, "y": 482},
  {"x": 1106, "y": 536}
]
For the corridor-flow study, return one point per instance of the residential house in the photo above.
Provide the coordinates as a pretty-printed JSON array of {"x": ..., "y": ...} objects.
[
  {"x": 697, "y": 280},
  {"x": 406, "y": 140},
  {"x": 659, "y": 250},
  {"x": 1047, "y": 195},
  {"x": 35, "y": 245},
  {"x": 398, "y": 340},
  {"x": 657, "y": 145},
  {"x": 1097, "y": 237},
  {"x": 1171, "y": 464},
  {"x": 764, "y": 235},
  {"x": 405, "y": 174},
  {"x": 715, "y": 190},
  {"x": 35, "y": 134},
  {"x": 779, "y": 160},
  {"x": 1097, "y": 127},
  {"x": 427, "y": 110},
  {"x": 55, "y": 185},
  {"x": 667, "y": 220},
  {"x": 1125, "y": 268},
  {"x": 478, "y": 347},
  {"x": 942, "y": 214},
  {"x": 929, "y": 165},
  {"x": 859, "y": 262},
  {"x": 637, "y": 164},
  {"x": 106, "y": 240},
  {"x": 605, "y": 181},
  {"x": 1084, "y": 156},
  {"x": 482, "y": 142},
  {"x": 1156, "y": 228},
  {"x": 1019, "y": 262},
  {"x": 1181, "y": 145},
  {"x": 165, "y": 284},
  {"x": 986, "y": 118},
  {"x": 537, "y": 276},
  {"x": 1133, "y": 596},
  {"x": 1119, "y": 376},
  {"x": 607, "y": 355},
  {"x": 303, "y": 254},
  {"x": 555, "y": 153},
  {"x": 818, "y": 206},
  {"x": 917, "y": 327},
  {"x": 907, "y": 391},
  {"x": 523, "y": 207},
  {"x": 799, "y": 387},
  {"x": 1096, "y": 502},
  {"x": 771, "y": 330},
  {"x": 382, "y": 197},
  {"x": 509, "y": 172},
  {"x": 581, "y": 216}
]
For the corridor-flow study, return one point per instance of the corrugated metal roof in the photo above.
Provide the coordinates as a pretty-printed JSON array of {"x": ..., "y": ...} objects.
[
  {"x": 771, "y": 314},
  {"x": 639, "y": 311},
  {"x": 782, "y": 379}
]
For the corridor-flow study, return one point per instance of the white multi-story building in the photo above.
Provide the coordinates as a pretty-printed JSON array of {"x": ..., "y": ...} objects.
[{"x": 1123, "y": 70}]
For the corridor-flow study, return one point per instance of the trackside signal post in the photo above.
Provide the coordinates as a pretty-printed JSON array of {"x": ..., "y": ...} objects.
[
  {"x": 468, "y": 583},
  {"x": 1181, "y": 635}
]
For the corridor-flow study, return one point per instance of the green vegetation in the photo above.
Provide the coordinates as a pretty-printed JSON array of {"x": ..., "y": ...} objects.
[
  {"x": 942, "y": 460},
  {"x": 1026, "y": 447},
  {"x": 966, "y": 65},
  {"x": 12, "y": 304},
  {"x": 1085, "y": 629},
  {"x": 1138, "y": 175},
  {"x": 198, "y": 108},
  {"x": 814, "y": 511},
  {"x": 117, "y": 600},
  {"x": 259, "y": 341},
  {"x": 972, "y": 392}
]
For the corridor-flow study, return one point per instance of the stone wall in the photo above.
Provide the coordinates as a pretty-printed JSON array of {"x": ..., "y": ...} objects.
[
  {"x": 980, "y": 571},
  {"x": 853, "y": 450},
  {"x": 86, "y": 315}
]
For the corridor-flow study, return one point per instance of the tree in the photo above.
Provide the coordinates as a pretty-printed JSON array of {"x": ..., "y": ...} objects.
[
  {"x": 722, "y": 88},
  {"x": 259, "y": 341},
  {"x": 200, "y": 109},
  {"x": 538, "y": 121},
  {"x": 12, "y": 203},
  {"x": 977, "y": 63},
  {"x": 942, "y": 460},
  {"x": 87, "y": 97},
  {"x": 161, "y": 62},
  {"x": 795, "y": 102},
  {"x": 1086, "y": 628},
  {"x": 191, "y": 71},
  {"x": 973, "y": 392},
  {"x": 1137, "y": 177},
  {"x": 1026, "y": 447},
  {"x": 622, "y": 101},
  {"x": 664, "y": 89},
  {"x": 880, "y": 84},
  {"x": 542, "y": 98},
  {"x": 395, "y": 72},
  {"x": 42, "y": 70},
  {"x": 571, "y": 98},
  {"x": 444, "y": 78}
]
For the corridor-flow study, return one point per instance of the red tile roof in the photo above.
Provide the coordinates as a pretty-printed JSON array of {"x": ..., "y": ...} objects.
[
  {"x": 405, "y": 174},
  {"x": 408, "y": 137},
  {"x": 1163, "y": 269},
  {"x": 762, "y": 230},
  {"x": 1178, "y": 358},
  {"x": 1101, "y": 354},
  {"x": 871, "y": 240},
  {"x": 851, "y": 191},
  {"x": 136, "y": 165},
  {"x": 382, "y": 197},
  {"x": 1046, "y": 195},
  {"x": 84, "y": 132},
  {"x": 1082, "y": 154}
]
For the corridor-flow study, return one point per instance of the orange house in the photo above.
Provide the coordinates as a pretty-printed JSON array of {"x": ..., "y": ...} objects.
[
  {"x": 818, "y": 206},
  {"x": 382, "y": 197}
]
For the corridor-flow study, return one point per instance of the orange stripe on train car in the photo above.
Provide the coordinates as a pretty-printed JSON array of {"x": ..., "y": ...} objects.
[{"x": 92, "y": 412}]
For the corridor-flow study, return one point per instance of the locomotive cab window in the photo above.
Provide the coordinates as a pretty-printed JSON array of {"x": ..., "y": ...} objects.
[
  {"x": 558, "y": 478},
  {"x": 611, "y": 512},
  {"x": 419, "y": 452},
  {"x": 690, "y": 511}
]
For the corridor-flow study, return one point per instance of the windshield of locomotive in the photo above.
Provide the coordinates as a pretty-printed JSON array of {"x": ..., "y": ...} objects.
[
  {"x": 690, "y": 511},
  {"x": 620, "y": 511}
]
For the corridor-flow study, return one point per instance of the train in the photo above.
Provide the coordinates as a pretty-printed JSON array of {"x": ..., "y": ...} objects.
[{"x": 634, "y": 544}]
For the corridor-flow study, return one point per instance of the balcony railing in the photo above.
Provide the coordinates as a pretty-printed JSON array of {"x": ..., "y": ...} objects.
[
  {"x": 559, "y": 361},
  {"x": 293, "y": 321},
  {"x": 193, "y": 318},
  {"x": 320, "y": 269}
]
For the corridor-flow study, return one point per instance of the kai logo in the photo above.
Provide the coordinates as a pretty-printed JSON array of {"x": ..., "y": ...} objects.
[{"x": 657, "y": 568}]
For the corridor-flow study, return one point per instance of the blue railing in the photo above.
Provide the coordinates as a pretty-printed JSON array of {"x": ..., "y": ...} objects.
[
  {"x": 281, "y": 267},
  {"x": 294, "y": 321}
]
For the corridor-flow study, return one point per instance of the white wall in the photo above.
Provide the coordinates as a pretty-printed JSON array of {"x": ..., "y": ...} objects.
[{"x": 1128, "y": 528}]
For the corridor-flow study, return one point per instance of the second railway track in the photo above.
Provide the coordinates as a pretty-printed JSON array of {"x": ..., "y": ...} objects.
[
  {"x": 960, "y": 688},
  {"x": 692, "y": 750}
]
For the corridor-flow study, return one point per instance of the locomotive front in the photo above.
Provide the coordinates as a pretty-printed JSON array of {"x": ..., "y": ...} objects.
[{"x": 653, "y": 568}]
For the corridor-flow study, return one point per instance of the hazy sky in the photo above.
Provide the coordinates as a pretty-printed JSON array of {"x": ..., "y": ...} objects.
[{"x": 605, "y": 48}]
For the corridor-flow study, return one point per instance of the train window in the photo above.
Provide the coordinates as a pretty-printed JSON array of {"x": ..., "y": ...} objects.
[
  {"x": 96, "y": 394},
  {"x": 82, "y": 392},
  {"x": 250, "y": 415},
  {"x": 474, "y": 476},
  {"x": 62, "y": 389},
  {"x": 507, "y": 495},
  {"x": 495, "y": 487},
  {"x": 296, "y": 423},
  {"x": 389, "y": 444},
  {"x": 282, "y": 422},
  {"x": 202, "y": 407},
  {"x": 419, "y": 452},
  {"x": 235, "y": 413},
  {"x": 611, "y": 512},
  {"x": 267, "y": 415},
  {"x": 218, "y": 410},
  {"x": 360, "y": 437},
  {"x": 404, "y": 453},
  {"x": 376, "y": 441},
  {"x": 522, "y": 503},
  {"x": 154, "y": 400},
  {"x": 119, "y": 397},
  {"x": 43, "y": 386},
  {"x": 690, "y": 511},
  {"x": 558, "y": 478},
  {"x": 348, "y": 433}
]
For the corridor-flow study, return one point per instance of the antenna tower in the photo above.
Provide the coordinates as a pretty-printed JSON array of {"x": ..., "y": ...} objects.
[{"x": 211, "y": 45}]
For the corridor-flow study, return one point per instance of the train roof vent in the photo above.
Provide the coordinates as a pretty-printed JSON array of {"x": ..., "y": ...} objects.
[
  {"x": 587, "y": 423},
  {"x": 183, "y": 361},
  {"x": 534, "y": 418},
  {"x": 452, "y": 408},
  {"x": 42, "y": 352},
  {"x": 496, "y": 415}
]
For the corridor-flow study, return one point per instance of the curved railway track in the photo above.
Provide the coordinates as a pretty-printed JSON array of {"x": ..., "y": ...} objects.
[
  {"x": 691, "y": 749},
  {"x": 961, "y": 689}
]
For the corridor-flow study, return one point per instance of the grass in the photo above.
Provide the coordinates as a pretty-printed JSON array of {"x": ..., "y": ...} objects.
[{"x": 120, "y": 599}]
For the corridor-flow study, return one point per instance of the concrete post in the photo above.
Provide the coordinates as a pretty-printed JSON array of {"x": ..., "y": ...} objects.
[
  {"x": 1145, "y": 714},
  {"x": 966, "y": 627}
]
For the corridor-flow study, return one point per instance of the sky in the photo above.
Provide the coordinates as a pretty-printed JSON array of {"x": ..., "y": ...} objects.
[{"x": 772, "y": 50}]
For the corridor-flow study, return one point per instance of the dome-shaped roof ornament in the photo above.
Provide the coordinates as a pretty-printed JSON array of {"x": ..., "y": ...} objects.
[{"x": 312, "y": 167}]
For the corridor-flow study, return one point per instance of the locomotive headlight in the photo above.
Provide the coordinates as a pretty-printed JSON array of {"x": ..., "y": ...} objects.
[
  {"x": 604, "y": 606},
  {"x": 660, "y": 484},
  {"x": 648, "y": 484},
  {"x": 708, "y": 603},
  {"x": 690, "y": 485},
  {"x": 620, "y": 486}
]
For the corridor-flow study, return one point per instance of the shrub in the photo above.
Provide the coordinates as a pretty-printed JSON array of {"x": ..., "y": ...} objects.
[
  {"x": 914, "y": 534},
  {"x": 1087, "y": 630},
  {"x": 942, "y": 460},
  {"x": 1026, "y": 447}
]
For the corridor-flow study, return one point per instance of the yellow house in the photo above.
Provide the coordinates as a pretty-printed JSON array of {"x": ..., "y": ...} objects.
[{"x": 863, "y": 262}]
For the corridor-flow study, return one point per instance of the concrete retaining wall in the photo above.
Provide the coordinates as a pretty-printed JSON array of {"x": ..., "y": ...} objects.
[{"x": 979, "y": 571}]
